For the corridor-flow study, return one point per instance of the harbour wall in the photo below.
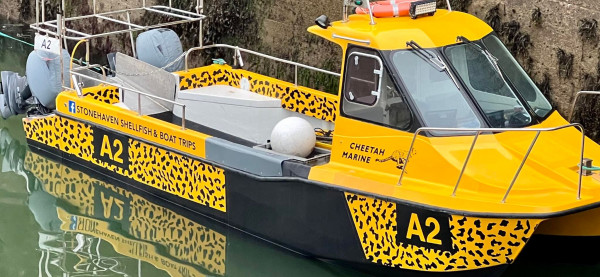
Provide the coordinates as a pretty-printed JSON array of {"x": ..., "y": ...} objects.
[{"x": 556, "y": 41}]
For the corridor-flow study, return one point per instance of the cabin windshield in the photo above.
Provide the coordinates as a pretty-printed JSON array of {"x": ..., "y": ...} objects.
[
  {"x": 438, "y": 100},
  {"x": 505, "y": 93}
]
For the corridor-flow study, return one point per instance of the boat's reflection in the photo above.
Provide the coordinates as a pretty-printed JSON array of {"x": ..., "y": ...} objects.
[{"x": 93, "y": 227}]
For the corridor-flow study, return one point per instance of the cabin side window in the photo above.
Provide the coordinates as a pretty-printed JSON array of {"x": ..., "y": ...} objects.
[{"x": 369, "y": 93}]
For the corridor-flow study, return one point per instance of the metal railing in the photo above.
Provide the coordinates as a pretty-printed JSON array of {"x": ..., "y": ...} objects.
[
  {"x": 585, "y": 92},
  {"x": 51, "y": 27},
  {"x": 139, "y": 95},
  {"x": 237, "y": 57},
  {"x": 58, "y": 29},
  {"x": 479, "y": 131},
  {"x": 88, "y": 66}
]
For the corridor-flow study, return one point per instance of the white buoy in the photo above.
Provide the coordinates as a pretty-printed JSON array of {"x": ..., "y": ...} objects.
[{"x": 293, "y": 136}]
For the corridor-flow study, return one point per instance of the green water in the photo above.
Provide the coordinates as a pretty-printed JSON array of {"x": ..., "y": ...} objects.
[{"x": 48, "y": 228}]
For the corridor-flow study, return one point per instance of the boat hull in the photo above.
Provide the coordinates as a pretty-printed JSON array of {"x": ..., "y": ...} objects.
[{"x": 312, "y": 218}]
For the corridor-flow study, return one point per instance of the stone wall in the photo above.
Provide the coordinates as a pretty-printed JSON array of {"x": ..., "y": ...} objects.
[
  {"x": 557, "y": 43},
  {"x": 555, "y": 40}
]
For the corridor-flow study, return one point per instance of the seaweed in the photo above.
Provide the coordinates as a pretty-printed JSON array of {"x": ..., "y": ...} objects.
[
  {"x": 510, "y": 30},
  {"x": 588, "y": 30},
  {"x": 590, "y": 82},
  {"x": 517, "y": 41},
  {"x": 536, "y": 17},
  {"x": 25, "y": 9},
  {"x": 492, "y": 17},
  {"x": 587, "y": 106},
  {"x": 565, "y": 63},
  {"x": 520, "y": 45},
  {"x": 544, "y": 86}
]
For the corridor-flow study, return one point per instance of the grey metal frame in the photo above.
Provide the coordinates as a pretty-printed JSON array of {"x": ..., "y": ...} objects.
[
  {"x": 584, "y": 92},
  {"x": 139, "y": 94},
  {"x": 51, "y": 27},
  {"x": 479, "y": 131},
  {"x": 57, "y": 27},
  {"x": 239, "y": 49}
]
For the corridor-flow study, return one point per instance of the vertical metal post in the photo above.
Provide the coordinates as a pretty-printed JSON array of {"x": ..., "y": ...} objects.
[
  {"x": 235, "y": 57},
  {"x": 449, "y": 7},
  {"x": 410, "y": 149},
  {"x": 296, "y": 75},
  {"x": 43, "y": 10},
  {"x": 62, "y": 8},
  {"x": 94, "y": 6},
  {"x": 37, "y": 11},
  {"x": 170, "y": 3},
  {"x": 581, "y": 162},
  {"x": 131, "y": 36},
  {"x": 139, "y": 104},
  {"x": 87, "y": 53},
  {"x": 144, "y": 3},
  {"x": 59, "y": 24},
  {"x": 200, "y": 10},
  {"x": 183, "y": 118},
  {"x": 370, "y": 12},
  {"x": 466, "y": 162},
  {"x": 537, "y": 135}
]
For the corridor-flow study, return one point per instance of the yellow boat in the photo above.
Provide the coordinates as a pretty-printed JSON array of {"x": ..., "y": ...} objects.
[{"x": 439, "y": 155}]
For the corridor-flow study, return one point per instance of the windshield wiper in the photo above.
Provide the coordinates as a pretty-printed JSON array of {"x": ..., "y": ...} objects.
[
  {"x": 491, "y": 58},
  {"x": 433, "y": 60}
]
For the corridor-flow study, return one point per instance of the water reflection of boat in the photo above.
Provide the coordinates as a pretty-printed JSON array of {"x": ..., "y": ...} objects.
[
  {"x": 93, "y": 227},
  {"x": 438, "y": 162}
]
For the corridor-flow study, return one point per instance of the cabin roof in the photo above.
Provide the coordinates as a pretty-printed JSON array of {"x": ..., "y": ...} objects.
[{"x": 392, "y": 33}]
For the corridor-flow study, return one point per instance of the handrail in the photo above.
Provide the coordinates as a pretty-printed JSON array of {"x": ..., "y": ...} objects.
[
  {"x": 479, "y": 131},
  {"x": 572, "y": 110},
  {"x": 236, "y": 48},
  {"x": 92, "y": 66},
  {"x": 139, "y": 93},
  {"x": 51, "y": 26}
]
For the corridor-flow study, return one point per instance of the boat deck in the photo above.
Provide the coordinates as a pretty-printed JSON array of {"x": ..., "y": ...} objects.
[{"x": 173, "y": 119}]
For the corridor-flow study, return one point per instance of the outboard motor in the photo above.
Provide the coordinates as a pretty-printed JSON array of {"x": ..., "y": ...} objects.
[
  {"x": 43, "y": 82},
  {"x": 43, "y": 73},
  {"x": 160, "y": 47},
  {"x": 15, "y": 92}
]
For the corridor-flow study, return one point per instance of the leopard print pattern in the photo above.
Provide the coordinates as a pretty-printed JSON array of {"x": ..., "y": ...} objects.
[
  {"x": 173, "y": 173},
  {"x": 478, "y": 242},
  {"x": 43, "y": 130},
  {"x": 177, "y": 174},
  {"x": 49, "y": 130},
  {"x": 298, "y": 99},
  {"x": 185, "y": 239},
  {"x": 62, "y": 182},
  {"x": 106, "y": 94}
]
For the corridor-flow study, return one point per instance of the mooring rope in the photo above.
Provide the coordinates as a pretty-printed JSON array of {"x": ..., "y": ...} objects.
[{"x": 14, "y": 38}]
